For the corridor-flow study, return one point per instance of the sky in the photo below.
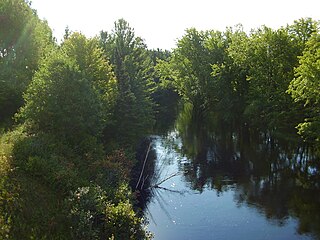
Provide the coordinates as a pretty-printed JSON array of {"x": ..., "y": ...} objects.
[{"x": 161, "y": 23}]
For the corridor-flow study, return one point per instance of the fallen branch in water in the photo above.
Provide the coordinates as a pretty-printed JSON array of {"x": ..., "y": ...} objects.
[
  {"x": 144, "y": 179},
  {"x": 166, "y": 179},
  {"x": 144, "y": 164},
  {"x": 173, "y": 191}
]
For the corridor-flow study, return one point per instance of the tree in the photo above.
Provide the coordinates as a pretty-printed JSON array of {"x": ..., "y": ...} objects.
[
  {"x": 59, "y": 149},
  {"x": 204, "y": 73},
  {"x": 301, "y": 30},
  {"x": 73, "y": 92},
  {"x": 229, "y": 83},
  {"x": 24, "y": 40},
  {"x": 272, "y": 56},
  {"x": 191, "y": 61},
  {"x": 89, "y": 57},
  {"x": 164, "y": 96},
  {"x": 188, "y": 70},
  {"x": 61, "y": 102},
  {"x": 133, "y": 68},
  {"x": 305, "y": 88}
]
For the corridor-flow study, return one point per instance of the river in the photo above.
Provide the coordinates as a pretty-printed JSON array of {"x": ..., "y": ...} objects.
[{"x": 214, "y": 187}]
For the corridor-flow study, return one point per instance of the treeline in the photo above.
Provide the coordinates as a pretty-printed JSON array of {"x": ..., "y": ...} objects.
[
  {"x": 72, "y": 115},
  {"x": 267, "y": 80}
]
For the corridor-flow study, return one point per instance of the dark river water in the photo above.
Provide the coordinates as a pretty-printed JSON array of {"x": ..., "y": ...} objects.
[{"x": 205, "y": 186}]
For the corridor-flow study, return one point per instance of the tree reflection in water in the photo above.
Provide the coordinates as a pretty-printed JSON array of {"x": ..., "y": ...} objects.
[{"x": 276, "y": 176}]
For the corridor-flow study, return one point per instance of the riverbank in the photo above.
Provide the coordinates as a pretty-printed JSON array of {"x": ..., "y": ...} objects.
[{"x": 49, "y": 191}]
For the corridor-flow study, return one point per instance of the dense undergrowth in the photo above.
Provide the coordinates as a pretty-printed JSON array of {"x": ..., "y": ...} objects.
[{"x": 48, "y": 192}]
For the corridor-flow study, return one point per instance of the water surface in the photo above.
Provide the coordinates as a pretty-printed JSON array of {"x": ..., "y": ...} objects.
[{"x": 218, "y": 189}]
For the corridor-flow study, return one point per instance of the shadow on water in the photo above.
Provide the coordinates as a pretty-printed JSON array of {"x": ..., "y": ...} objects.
[{"x": 277, "y": 177}]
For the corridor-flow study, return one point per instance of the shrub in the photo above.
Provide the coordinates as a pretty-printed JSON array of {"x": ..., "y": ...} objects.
[
  {"x": 86, "y": 209},
  {"x": 111, "y": 170},
  {"x": 93, "y": 216},
  {"x": 122, "y": 223}
]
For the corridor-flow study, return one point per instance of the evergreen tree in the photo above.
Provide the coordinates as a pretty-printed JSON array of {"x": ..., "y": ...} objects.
[{"x": 133, "y": 69}]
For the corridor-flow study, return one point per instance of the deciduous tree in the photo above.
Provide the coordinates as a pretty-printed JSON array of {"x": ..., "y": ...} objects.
[
  {"x": 24, "y": 40},
  {"x": 305, "y": 88}
]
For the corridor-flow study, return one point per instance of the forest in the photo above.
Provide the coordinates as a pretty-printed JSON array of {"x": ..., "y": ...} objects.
[{"x": 73, "y": 114}]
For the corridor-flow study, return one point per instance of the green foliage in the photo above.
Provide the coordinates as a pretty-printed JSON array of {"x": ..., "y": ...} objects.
[
  {"x": 122, "y": 222},
  {"x": 28, "y": 207},
  {"x": 164, "y": 96},
  {"x": 133, "y": 68},
  {"x": 73, "y": 93},
  {"x": 190, "y": 68},
  {"x": 241, "y": 79},
  {"x": 90, "y": 59},
  {"x": 69, "y": 103},
  {"x": 301, "y": 30},
  {"x": 204, "y": 72},
  {"x": 6, "y": 198},
  {"x": 62, "y": 102},
  {"x": 86, "y": 210},
  {"x": 229, "y": 85},
  {"x": 271, "y": 60},
  {"x": 305, "y": 88},
  {"x": 37, "y": 211},
  {"x": 24, "y": 41},
  {"x": 93, "y": 216},
  {"x": 112, "y": 170},
  {"x": 90, "y": 92},
  {"x": 42, "y": 156},
  {"x": 37, "y": 174}
]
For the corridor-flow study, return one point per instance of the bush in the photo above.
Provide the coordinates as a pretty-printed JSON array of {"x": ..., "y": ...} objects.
[
  {"x": 122, "y": 222},
  {"x": 86, "y": 212},
  {"x": 61, "y": 102},
  {"x": 93, "y": 216},
  {"x": 6, "y": 200},
  {"x": 112, "y": 170},
  {"x": 43, "y": 157}
]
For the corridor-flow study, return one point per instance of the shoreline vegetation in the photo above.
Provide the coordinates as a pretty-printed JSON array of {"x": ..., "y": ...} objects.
[{"x": 72, "y": 115}]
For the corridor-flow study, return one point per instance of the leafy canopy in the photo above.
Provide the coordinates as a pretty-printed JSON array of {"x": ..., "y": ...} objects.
[
  {"x": 305, "y": 88},
  {"x": 24, "y": 41},
  {"x": 72, "y": 93}
]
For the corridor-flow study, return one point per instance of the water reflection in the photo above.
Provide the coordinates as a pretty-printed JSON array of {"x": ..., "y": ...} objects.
[{"x": 278, "y": 178}]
